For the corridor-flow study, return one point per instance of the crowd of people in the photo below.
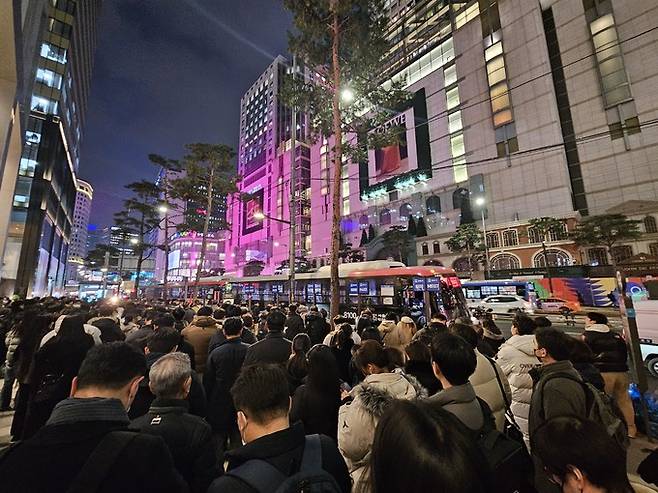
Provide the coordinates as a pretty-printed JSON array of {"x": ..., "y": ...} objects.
[{"x": 169, "y": 397}]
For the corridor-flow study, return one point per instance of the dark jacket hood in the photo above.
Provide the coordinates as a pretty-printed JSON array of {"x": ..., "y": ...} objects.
[{"x": 204, "y": 322}]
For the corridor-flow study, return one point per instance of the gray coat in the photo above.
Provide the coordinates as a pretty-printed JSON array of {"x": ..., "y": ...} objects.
[
  {"x": 461, "y": 401},
  {"x": 553, "y": 396},
  {"x": 12, "y": 340}
]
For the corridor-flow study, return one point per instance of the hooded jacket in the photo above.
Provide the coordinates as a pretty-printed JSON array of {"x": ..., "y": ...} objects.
[
  {"x": 358, "y": 419},
  {"x": 92, "y": 330},
  {"x": 198, "y": 334},
  {"x": 486, "y": 386},
  {"x": 462, "y": 402},
  {"x": 516, "y": 357},
  {"x": 317, "y": 327},
  {"x": 399, "y": 336},
  {"x": 609, "y": 348}
]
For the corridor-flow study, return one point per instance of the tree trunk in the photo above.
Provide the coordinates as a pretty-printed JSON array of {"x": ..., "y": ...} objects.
[
  {"x": 613, "y": 263},
  {"x": 338, "y": 166},
  {"x": 140, "y": 258},
  {"x": 470, "y": 260},
  {"x": 548, "y": 267},
  {"x": 204, "y": 238},
  {"x": 165, "y": 280}
]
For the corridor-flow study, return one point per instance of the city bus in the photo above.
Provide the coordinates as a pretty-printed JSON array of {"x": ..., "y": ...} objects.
[{"x": 381, "y": 286}]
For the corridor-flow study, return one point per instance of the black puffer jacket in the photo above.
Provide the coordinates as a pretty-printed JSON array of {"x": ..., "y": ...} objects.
[
  {"x": 110, "y": 329},
  {"x": 188, "y": 437},
  {"x": 317, "y": 328},
  {"x": 294, "y": 325},
  {"x": 609, "y": 349}
]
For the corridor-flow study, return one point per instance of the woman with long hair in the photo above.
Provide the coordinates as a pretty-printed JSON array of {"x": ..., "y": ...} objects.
[
  {"x": 316, "y": 402},
  {"x": 30, "y": 329},
  {"x": 341, "y": 346},
  {"x": 55, "y": 365},
  {"x": 297, "y": 365}
]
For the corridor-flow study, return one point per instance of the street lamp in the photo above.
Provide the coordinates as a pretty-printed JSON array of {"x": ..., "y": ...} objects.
[
  {"x": 480, "y": 202},
  {"x": 347, "y": 95},
  {"x": 259, "y": 216},
  {"x": 163, "y": 208},
  {"x": 134, "y": 241}
]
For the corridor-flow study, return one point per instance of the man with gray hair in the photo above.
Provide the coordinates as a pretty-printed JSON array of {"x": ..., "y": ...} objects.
[{"x": 188, "y": 437}]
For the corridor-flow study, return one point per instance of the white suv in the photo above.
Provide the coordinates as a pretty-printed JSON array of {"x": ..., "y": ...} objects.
[{"x": 505, "y": 303}]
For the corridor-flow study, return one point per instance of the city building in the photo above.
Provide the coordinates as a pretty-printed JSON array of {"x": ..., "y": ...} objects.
[
  {"x": 79, "y": 232},
  {"x": 529, "y": 109},
  {"x": 94, "y": 236},
  {"x": 260, "y": 213},
  {"x": 43, "y": 197},
  {"x": 191, "y": 213}
]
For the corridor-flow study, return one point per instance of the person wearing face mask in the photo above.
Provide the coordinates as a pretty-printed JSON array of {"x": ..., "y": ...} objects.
[
  {"x": 86, "y": 444},
  {"x": 557, "y": 391},
  {"x": 274, "y": 451}
]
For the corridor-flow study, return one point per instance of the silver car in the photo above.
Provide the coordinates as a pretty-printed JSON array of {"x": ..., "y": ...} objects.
[{"x": 506, "y": 303}]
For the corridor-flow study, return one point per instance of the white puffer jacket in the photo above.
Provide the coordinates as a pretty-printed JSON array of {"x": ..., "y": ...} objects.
[
  {"x": 486, "y": 387},
  {"x": 516, "y": 357},
  {"x": 358, "y": 419}
]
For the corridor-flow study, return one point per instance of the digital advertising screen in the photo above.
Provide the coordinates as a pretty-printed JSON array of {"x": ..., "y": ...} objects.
[
  {"x": 251, "y": 207},
  {"x": 409, "y": 156}
]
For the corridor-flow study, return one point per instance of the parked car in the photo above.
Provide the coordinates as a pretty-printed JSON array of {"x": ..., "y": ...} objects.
[
  {"x": 558, "y": 305},
  {"x": 505, "y": 304}
]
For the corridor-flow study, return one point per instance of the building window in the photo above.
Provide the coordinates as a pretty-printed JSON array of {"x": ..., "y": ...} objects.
[
  {"x": 510, "y": 238},
  {"x": 650, "y": 224},
  {"x": 433, "y": 204},
  {"x": 533, "y": 236},
  {"x": 493, "y": 240},
  {"x": 405, "y": 212},
  {"x": 653, "y": 249},
  {"x": 556, "y": 258},
  {"x": 425, "y": 249},
  {"x": 384, "y": 217},
  {"x": 436, "y": 247},
  {"x": 505, "y": 261},
  {"x": 621, "y": 253}
]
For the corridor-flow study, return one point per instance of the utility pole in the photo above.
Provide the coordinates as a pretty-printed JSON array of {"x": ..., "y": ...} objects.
[{"x": 293, "y": 189}]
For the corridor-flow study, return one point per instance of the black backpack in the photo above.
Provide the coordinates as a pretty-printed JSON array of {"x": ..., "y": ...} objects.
[
  {"x": 509, "y": 462},
  {"x": 311, "y": 478}
]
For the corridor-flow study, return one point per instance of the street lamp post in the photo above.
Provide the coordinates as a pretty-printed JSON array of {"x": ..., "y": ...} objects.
[
  {"x": 480, "y": 201},
  {"x": 259, "y": 216}
]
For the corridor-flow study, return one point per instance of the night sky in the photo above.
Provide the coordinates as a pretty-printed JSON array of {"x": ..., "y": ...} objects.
[{"x": 167, "y": 73}]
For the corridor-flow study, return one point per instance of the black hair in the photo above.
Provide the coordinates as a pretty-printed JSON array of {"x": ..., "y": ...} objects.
[
  {"x": 111, "y": 366},
  {"x": 417, "y": 448},
  {"x": 71, "y": 331},
  {"x": 543, "y": 322},
  {"x": 219, "y": 314},
  {"x": 524, "y": 324},
  {"x": 151, "y": 314},
  {"x": 297, "y": 365},
  {"x": 566, "y": 442},
  {"x": 466, "y": 332},
  {"x": 262, "y": 392},
  {"x": 164, "y": 320},
  {"x": 343, "y": 339},
  {"x": 455, "y": 357},
  {"x": 248, "y": 320},
  {"x": 395, "y": 357},
  {"x": 418, "y": 351},
  {"x": 323, "y": 373},
  {"x": 106, "y": 310},
  {"x": 231, "y": 311},
  {"x": 232, "y": 326},
  {"x": 164, "y": 340},
  {"x": 292, "y": 307},
  {"x": 275, "y": 321},
  {"x": 301, "y": 343},
  {"x": 371, "y": 352},
  {"x": 579, "y": 351},
  {"x": 439, "y": 316},
  {"x": 204, "y": 311},
  {"x": 597, "y": 317},
  {"x": 392, "y": 316},
  {"x": 555, "y": 342},
  {"x": 178, "y": 313}
]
